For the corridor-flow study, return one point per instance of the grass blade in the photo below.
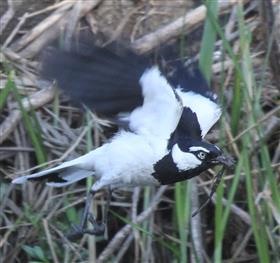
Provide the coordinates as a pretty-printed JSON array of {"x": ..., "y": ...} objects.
[
  {"x": 31, "y": 124},
  {"x": 208, "y": 40}
]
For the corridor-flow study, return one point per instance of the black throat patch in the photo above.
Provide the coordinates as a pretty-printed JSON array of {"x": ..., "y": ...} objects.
[{"x": 166, "y": 171}]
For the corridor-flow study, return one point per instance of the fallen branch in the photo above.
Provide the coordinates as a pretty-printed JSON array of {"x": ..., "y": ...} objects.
[
  {"x": 183, "y": 24},
  {"x": 49, "y": 29},
  {"x": 35, "y": 101}
]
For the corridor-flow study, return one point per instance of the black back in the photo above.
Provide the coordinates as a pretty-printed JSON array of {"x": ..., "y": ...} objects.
[{"x": 189, "y": 79}]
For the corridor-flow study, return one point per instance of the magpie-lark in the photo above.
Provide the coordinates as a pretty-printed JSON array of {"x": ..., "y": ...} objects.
[{"x": 166, "y": 116}]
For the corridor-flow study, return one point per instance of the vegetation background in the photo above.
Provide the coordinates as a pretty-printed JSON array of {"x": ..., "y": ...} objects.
[{"x": 237, "y": 45}]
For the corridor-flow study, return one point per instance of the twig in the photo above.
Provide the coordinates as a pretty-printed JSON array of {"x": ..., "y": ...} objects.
[
  {"x": 42, "y": 26},
  {"x": 15, "y": 31},
  {"x": 124, "y": 248},
  {"x": 136, "y": 234},
  {"x": 242, "y": 246},
  {"x": 35, "y": 101},
  {"x": 196, "y": 231},
  {"x": 183, "y": 24},
  {"x": 49, "y": 8},
  {"x": 244, "y": 216},
  {"x": 120, "y": 236},
  {"x": 121, "y": 26},
  {"x": 49, "y": 240},
  {"x": 37, "y": 41},
  {"x": 6, "y": 18},
  {"x": 71, "y": 25},
  {"x": 67, "y": 243},
  {"x": 266, "y": 116},
  {"x": 270, "y": 29}
]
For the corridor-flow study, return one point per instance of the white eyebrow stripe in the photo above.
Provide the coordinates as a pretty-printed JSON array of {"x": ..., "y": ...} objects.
[
  {"x": 198, "y": 148},
  {"x": 217, "y": 147}
]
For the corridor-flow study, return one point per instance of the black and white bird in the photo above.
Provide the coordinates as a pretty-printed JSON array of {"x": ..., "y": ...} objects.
[{"x": 166, "y": 118}]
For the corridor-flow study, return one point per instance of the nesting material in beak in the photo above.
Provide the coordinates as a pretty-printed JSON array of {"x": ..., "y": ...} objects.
[{"x": 225, "y": 160}]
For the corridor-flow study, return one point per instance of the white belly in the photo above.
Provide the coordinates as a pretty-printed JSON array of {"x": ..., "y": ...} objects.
[{"x": 127, "y": 161}]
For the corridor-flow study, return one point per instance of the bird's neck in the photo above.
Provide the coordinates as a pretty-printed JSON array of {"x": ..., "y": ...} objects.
[{"x": 166, "y": 171}]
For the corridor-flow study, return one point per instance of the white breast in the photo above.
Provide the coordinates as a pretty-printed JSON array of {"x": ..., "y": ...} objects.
[{"x": 127, "y": 161}]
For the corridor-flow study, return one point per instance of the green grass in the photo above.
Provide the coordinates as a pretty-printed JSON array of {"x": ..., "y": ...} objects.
[
  {"x": 30, "y": 122},
  {"x": 208, "y": 40},
  {"x": 246, "y": 98}
]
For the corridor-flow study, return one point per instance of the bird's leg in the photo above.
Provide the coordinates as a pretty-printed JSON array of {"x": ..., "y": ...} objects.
[
  {"x": 81, "y": 229},
  {"x": 100, "y": 228},
  {"x": 106, "y": 209}
]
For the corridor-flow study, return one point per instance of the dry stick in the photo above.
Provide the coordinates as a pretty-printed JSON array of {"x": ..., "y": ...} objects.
[
  {"x": 196, "y": 231},
  {"x": 184, "y": 23},
  {"x": 42, "y": 26},
  {"x": 244, "y": 216},
  {"x": 229, "y": 177},
  {"x": 266, "y": 116},
  {"x": 92, "y": 23},
  {"x": 7, "y": 16},
  {"x": 16, "y": 59},
  {"x": 124, "y": 248},
  {"x": 148, "y": 254},
  {"x": 72, "y": 24},
  {"x": 15, "y": 31},
  {"x": 242, "y": 246},
  {"x": 55, "y": 23},
  {"x": 49, "y": 8},
  {"x": 276, "y": 156},
  {"x": 35, "y": 101},
  {"x": 67, "y": 243},
  {"x": 121, "y": 235},
  {"x": 65, "y": 154},
  {"x": 21, "y": 160},
  {"x": 117, "y": 32},
  {"x": 17, "y": 149},
  {"x": 49, "y": 240},
  {"x": 136, "y": 234}
]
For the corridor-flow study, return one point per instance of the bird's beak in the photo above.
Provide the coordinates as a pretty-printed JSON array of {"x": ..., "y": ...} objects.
[{"x": 225, "y": 160}]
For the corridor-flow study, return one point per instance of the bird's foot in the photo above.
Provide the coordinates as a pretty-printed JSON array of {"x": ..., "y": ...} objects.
[{"x": 78, "y": 231}]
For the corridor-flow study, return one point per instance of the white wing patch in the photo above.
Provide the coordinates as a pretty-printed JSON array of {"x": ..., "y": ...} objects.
[
  {"x": 207, "y": 111},
  {"x": 161, "y": 110}
]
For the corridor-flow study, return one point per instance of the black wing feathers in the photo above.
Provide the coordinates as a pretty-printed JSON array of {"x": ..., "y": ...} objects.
[
  {"x": 188, "y": 127},
  {"x": 97, "y": 77},
  {"x": 190, "y": 79}
]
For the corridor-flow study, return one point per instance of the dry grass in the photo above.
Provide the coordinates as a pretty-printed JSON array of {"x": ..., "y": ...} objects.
[{"x": 145, "y": 225}]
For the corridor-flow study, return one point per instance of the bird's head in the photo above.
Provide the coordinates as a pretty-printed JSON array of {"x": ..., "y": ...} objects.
[
  {"x": 188, "y": 158},
  {"x": 200, "y": 155}
]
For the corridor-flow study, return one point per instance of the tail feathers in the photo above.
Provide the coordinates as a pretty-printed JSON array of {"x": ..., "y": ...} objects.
[
  {"x": 69, "y": 176},
  {"x": 59, "y": 176}
]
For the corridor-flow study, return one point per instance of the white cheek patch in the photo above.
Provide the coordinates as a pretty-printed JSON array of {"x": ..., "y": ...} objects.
[
  {"x": 198, "y": 148},
  {"x": 183, "y": 160}
]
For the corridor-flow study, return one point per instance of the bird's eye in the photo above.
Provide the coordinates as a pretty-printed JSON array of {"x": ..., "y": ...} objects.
[{"x": 201, "y": 155}]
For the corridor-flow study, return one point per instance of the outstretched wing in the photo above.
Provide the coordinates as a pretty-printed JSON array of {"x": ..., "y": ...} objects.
[
  {"x": 201, "y": 110},
  {"x": 97, "y": 77},
  {"x": 112, "y": 83}
]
